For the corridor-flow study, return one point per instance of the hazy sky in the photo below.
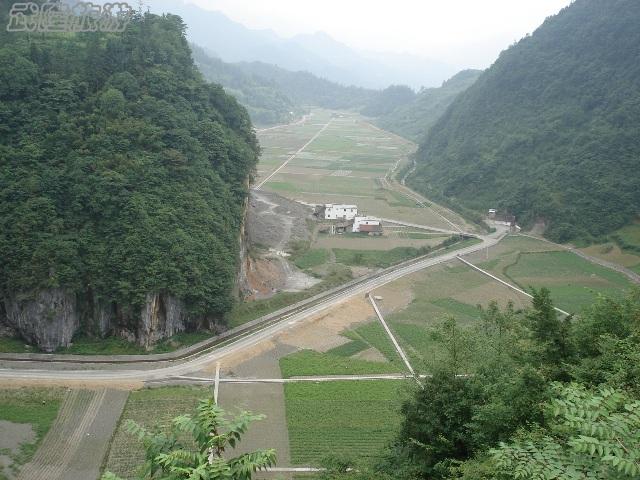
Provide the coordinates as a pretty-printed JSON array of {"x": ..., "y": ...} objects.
[{"x": 465, "y": 33}]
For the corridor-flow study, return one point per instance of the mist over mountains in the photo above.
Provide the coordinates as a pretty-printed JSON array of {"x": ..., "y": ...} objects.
[{"x": 316, "y": 53}]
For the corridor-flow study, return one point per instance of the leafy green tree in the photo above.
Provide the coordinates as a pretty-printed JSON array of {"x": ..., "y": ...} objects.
[
  {"x": 551, "y": 332},
  {"x": 195, "y": 447},
  {"x": 590, "y": 436}
]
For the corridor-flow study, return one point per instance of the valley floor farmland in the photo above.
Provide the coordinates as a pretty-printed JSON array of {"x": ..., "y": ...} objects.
[{"x": 350, "y": 161}]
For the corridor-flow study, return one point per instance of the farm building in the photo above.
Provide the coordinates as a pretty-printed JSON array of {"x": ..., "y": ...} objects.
[
  {"x": 369, "y": 225},
  {"x": 340, "y": 212}
]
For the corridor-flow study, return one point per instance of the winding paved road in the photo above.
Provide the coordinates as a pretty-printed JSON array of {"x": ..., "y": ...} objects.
[{"x": 96, "y": 372}]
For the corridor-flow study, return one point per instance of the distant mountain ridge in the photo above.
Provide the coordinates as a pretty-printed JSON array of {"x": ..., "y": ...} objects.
[
  {"x": 316, "y": 53},
  {"x": 550, "y": 131},
  {"x": 274, "y": 95}
]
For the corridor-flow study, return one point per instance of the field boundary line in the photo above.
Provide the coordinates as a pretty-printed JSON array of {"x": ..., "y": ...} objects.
[
  {"x": 393, "y": 339},
  {"x": 507, "y": 284},
  {"x": 318, "y": 133},
  {"x": 300, "y": 379}
]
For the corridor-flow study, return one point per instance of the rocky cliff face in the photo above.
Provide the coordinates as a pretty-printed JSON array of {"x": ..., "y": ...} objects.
[
  {"x": 161, "y": 317},
  {"x": 51, "y": 318},
  {"x": 48, "y": 320}
]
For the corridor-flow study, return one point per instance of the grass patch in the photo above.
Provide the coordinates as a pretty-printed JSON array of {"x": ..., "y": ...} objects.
[
  {"x": 573, "y": 281},
  {"x": 35, "y": 406},
  {"x": 457, "y": 308},
  {"x": 355, "y": 419},
  {"x": 350, "y": 348},
  {"x": 374, "y": 335},
  {"x": 310, "y": 362},
  {"x": 15, "y": 345},
  {"x": 311, "y": 258},
  {"x": 148, "y": 407}
]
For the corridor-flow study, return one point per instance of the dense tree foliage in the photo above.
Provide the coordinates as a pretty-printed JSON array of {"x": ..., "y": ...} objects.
[
  {"x": 197, "y": 447},
  {"x": 122, "y": 172},
  {"x": 388, "y": 100},
  {"x": 549, "y": 132},
  {"x": 413, "y": 119},
  {"x": 542, "y": 397},
  {"x": 266, "y": 103},
  {"x": 304, "y": 88}
]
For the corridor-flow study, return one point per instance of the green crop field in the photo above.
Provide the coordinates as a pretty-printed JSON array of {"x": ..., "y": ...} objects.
[
  {"x": 455, "y": 290},
  {"x": 310, "y": 362},
  {"x": 151, "y": 408},
  {"x": 37, "y": 407},
  {"x": 340, "y": 360},
  {"x": 353, "y": 419},
  {"x": 573, "y": 281}
]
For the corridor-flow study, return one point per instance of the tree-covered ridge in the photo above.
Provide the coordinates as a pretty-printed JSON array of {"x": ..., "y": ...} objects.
[
  {"x": 304, "y": 88},
  {"x": 266, "y": 103},
  {"x": 122, "y": 172},
  {"x": 550, "y": 130},
  {"x": 413, "y": 119}
]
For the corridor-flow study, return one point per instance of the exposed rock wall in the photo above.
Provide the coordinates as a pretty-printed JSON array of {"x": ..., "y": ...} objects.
[
  {"x": 48, "y": 320},
  {"x": 161, "y": 317}
]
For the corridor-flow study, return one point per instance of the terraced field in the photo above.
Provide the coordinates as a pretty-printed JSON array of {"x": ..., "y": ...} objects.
[{"x": 353, "y": 419}]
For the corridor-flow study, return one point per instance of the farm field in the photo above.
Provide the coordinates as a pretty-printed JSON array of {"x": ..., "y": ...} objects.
[
  {"x": 573, "y": 281},
  {"x": 367, "y": 350},
  {"x": 346, "y": 163},
  {"x": 622, "y": 247},
  {"x": 353, "y": 419},
  {"x": 148, "y": 407},
  {"x": 454, "y": 289},
  {"x": 26, "y": 415}
]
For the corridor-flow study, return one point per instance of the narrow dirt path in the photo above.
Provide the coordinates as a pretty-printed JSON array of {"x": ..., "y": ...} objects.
[{"x": 74, "y": 447}]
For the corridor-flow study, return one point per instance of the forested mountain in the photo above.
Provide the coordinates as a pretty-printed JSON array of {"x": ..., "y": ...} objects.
[
  {"x": 123, "y": 176},
  {"x": 304, "y": 88},
  {"x": 550, "y": 131},
  {"x": 266, "y": 103},
  {"x": 413, "y": 119},
  {"x": 389, "y": 100}
]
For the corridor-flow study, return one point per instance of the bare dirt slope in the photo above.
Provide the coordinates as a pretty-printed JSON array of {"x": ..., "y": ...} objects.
[
  {"x": 274, "y": 223},
  {"x": 76, "y": 444}
]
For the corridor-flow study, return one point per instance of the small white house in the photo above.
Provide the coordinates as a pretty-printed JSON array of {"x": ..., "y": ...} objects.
[
  {"x": 369, "y": 225},
  {"x": 340, "y": 212}
]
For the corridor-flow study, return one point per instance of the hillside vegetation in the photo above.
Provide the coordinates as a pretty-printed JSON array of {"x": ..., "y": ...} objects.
[
  {"x": 123, "y": 174},
  {"x": 266, "y": 103},
  {"x": 549, "y": 132},
  {"x": 413, "y": 119}
]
